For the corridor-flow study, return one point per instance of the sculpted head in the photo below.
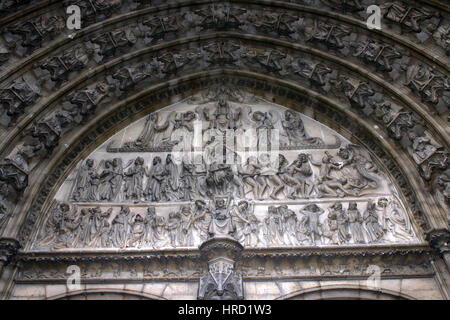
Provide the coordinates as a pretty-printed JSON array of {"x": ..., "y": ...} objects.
[
  {"x": 302, "y": 158},
  {"x": 337, "y": 206},
  {"x": 289, "y": 115},
  {"x": 344, "y": 153},
  {"x": 64, "y": 207},
  {"x": 220, "y": 203},
  {"x": 200, "y": 204},
  {"x": 139, "y": 161},
  {"x": 352, "y": 206},
  {"x": 243, "y": 205},
  {"x": 156, "y": 160},
  {"x": 383, "y": 202}
]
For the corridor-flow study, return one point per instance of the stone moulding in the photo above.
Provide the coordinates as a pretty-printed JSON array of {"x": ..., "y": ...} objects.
[
  {"x": 264, "y": 265},
  {"x": 194, "y": 254}
]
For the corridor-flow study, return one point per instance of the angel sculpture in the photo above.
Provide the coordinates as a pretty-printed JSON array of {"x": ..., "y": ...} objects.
[{"x": 296, "y": 132}]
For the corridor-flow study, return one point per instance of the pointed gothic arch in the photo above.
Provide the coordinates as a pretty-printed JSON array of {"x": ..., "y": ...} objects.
[{"x": 64, "y": 93}]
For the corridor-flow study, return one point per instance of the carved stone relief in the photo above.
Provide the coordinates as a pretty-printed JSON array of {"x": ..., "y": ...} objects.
[
  {"x": 149, "y": 187},
  {"x": 33, "y": 33},
  {"x": 250, "y": 267}
]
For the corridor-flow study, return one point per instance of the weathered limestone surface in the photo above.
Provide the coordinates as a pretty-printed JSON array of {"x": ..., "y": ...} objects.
[{"x": 91, "y": 122}]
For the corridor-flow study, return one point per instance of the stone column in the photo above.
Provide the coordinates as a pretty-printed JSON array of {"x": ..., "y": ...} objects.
[
  {"x": 439, "y": 240},
  {"x": 221, "y": 281}
]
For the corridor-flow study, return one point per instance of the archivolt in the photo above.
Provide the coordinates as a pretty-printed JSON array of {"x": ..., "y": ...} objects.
[
  {"x": 345, "y": 292},
  {"x": 78, "y": 145},
  {"x": 331, "y": 102}
]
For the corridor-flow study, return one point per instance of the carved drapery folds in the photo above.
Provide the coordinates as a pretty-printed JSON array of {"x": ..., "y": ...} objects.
[
  {"x": 136, "y": 179},
  {"x": 222, "y": 281},
  {"x": 60, "y": 66},
  {"x": 15, "y": 97},
  {"x": 324, "y": 191}
]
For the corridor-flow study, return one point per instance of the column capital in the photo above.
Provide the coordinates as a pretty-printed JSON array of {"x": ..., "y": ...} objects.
[
  {"x": 439, "y": 239},
  {"x": 8, "y": 249}
]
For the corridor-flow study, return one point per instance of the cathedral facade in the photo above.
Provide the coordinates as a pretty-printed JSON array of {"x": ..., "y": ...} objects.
[{"x": 224, "y": 150}]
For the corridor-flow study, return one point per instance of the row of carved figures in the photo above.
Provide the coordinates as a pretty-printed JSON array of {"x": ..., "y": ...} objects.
[
  {"x": 349, "y": 173},
  {"x": 381, "y": 221},
  {"x": 163, "y": 130},
  {"x": 33, "y": 33},
  {"x": 18, "y": 95}
]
